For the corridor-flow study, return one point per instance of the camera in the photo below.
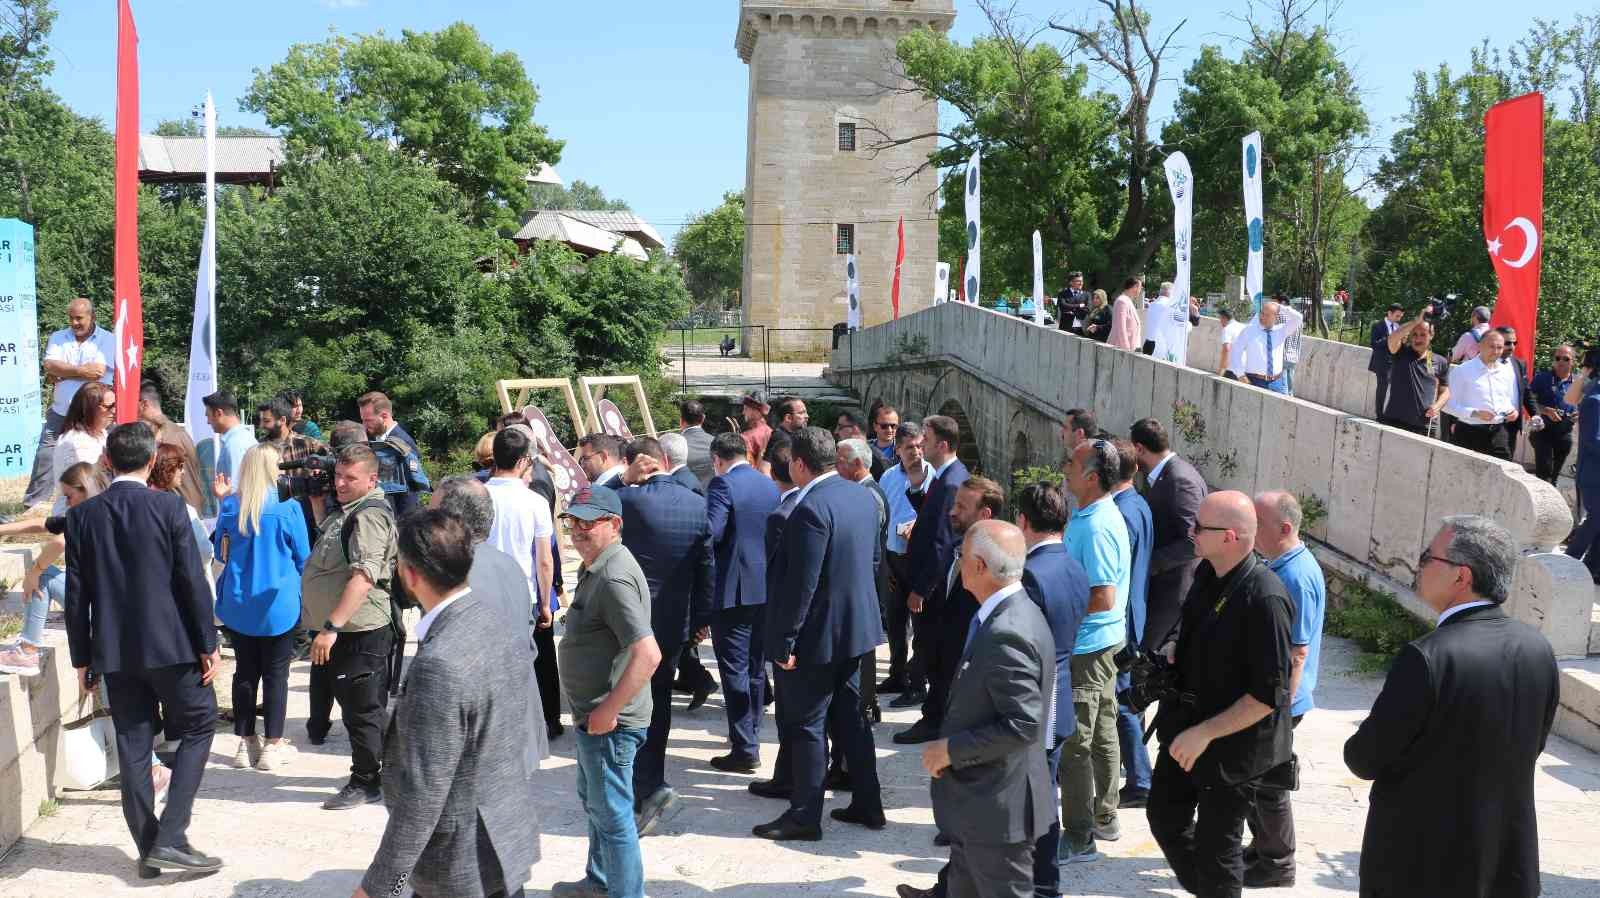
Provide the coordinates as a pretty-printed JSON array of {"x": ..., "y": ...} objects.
[
  {"x": 1436, "y": 310},
  {"x": 309, "y": 476},
  {"x": 1591, "y": 354},
  {"x": 1152, "y": 678}
]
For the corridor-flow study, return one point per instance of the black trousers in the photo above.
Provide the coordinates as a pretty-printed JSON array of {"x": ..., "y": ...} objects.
[
  {"x": 547, "y": 674},
  {"x": 261, "y": 661},
  {"x": 1489, "y": 439},
  {"x": 948, "y": 640},
  {"x": 1271, "y": 821},
  {"x": 1551, "y": 446},
  {"x": 357, "y": 677},
  {"x": 1419, "y": 429},
  {"x": 692, "y": 673},
  {"x": 1199, "y": 828},
  {"x": 812, "y": 694},
  {"x": 898, "y": 618},
  {"x": 650, "y": 762},
  {"x": 192, "y": 709}
]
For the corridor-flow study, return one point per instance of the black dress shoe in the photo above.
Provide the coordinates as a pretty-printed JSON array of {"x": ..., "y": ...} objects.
[
  {"x": 767, "y": 695},
  {"x": 874, "y": 713},
  {"x": 786, "y": 829},
  {"x": 735, "y": 764},
  {"x": 905, "y": 891},
  {"x": 183, "y": 860},
  {"x": 353, "y": 795},
  {"x": 1257, "y": 878},
  {"x": 1132, "y": 798},
  {"x": 910, "y": 698},
  {"x": 920, "y": 732},
  {"x": 837, "y": 780},
  {"x": 700, "y": 696},
  {"x": 892, "y": 684},
  {"x": 941, "y": 840},
  {"x": 859, "y": 818},
  {"x": 555, "y": 730},
  {"x": 147, "y": 872},
  {"x": 771, "y": 789}
]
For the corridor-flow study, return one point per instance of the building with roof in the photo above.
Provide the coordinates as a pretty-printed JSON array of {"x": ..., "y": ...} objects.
[
  {"x": 584, "y": 238},
  {"x": 182, "y": 160}
]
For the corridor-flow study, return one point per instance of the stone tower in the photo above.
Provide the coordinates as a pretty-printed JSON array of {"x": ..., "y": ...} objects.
[{"x": 821, "y": 91}]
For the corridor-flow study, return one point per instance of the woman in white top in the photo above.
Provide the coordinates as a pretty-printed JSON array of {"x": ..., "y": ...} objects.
[{"x": 83, "y": 433}]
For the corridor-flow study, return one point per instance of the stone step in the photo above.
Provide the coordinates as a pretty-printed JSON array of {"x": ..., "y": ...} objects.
[{"x": 1578, "y": 717}]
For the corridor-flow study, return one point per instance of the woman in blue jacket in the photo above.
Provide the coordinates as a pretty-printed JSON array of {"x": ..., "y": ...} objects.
[{"x": 263, "y": 545}]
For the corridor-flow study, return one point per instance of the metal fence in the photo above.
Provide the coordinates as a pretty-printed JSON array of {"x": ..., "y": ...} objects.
[{"x": 755, "y": 345}]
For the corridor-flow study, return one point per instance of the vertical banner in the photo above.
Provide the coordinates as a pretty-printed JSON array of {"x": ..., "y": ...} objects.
[
  {"x": 129, "y": 306},
  {"x": 974, "y": 265},
  {"x": 1171, "y": 332},
  {"x": 941, "y": 282},
  {"x": 1513, "y": 211},
  {"x": 1252, "y": 217},
  {"x": 852, "y": 293},
  {"x": 899, "y": 261},
  {"x": 20, "y": 415},
  {"x": 203, "y": 334},
  {"x": 1038, "y": 279}
]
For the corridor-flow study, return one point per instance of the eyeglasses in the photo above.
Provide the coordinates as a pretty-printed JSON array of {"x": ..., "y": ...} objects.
[
  {"x": 584, "y": 458},
  {"x": 1198, "y": 527},
  {"x": 1428, "y": 558},
  {"x": 586, "y": 526},
  {"x": 887, "y": 425},
  {"x": 1563, "y": 358}
]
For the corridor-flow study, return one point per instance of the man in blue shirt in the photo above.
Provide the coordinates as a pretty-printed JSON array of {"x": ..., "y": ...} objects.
[
  {"x": 1135, "y": 513},
  {"x": 1269, "y": 860},
  {"x": 1552, "y": 443},
  {"x": 234, "y": 437},
  {"x": 912, "y": 473},
  {"x": 1098, "y": 539}
]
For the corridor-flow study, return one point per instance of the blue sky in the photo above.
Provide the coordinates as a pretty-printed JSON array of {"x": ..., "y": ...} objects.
[{"x": 650, "y": 95}]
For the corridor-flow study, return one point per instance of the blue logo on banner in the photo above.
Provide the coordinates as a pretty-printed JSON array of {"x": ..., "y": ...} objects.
[
  {"x": 1255, "y": 235},
  {"x": 1250, "y": 159}
]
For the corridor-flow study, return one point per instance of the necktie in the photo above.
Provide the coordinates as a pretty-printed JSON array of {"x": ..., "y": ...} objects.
[
  {"x": 972, "y": 630},
  {"x": 1270, "y": 375},
  {"x": 951, "y": 575}
]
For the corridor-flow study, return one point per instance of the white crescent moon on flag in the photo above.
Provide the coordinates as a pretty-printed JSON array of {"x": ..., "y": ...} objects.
[{"x": 1531, "y": 245}]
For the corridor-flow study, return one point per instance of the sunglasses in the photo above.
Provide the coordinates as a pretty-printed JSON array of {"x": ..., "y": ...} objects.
[
  {"x": 1428, "y": 558},
  {"x": 1198, "y": 527}
]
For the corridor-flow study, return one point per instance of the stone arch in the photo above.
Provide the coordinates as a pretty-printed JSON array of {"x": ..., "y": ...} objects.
[
  {"x": 1021, "y": 451},
  {"x": 968, "y": 451},
  {"x": 808, "y": 23}
]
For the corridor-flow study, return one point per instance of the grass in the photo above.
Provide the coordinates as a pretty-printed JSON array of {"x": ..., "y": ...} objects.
[
  {"x": 48, "y": 807},
  {"x": 10, "y": 624},
  {"x": 1377, "y": 623},
  {"x": 699, "y": 336}
]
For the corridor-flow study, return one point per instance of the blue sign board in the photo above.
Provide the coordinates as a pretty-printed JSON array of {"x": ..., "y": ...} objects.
[{"x": 20, "y": 417}]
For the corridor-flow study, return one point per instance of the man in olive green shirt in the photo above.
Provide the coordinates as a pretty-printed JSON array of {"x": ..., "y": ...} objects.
[{"x": 345, "y": 600}]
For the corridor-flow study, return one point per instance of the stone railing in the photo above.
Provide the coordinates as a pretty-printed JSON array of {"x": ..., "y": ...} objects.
[{"x": 1385, "y": 490}]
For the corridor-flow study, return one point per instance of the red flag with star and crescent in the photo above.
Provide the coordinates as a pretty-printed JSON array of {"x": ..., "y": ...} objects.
[
  {"x": 128, "y": 310},
  {"x": 1513, "y": 211}
]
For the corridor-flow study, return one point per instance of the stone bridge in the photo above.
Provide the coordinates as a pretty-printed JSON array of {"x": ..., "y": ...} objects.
[{"x": 1383, "y": 491}]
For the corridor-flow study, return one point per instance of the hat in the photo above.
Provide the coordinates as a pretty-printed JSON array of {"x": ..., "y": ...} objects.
[
  {"x": 594, "y": 503},
  {"x": 755, "y": 398}
]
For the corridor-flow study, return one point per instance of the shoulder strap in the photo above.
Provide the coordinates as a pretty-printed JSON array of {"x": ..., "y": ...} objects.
[{"x": 347, "y": 528}]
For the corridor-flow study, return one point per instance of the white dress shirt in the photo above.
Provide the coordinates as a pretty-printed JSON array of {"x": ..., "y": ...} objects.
[
  {"x": 1475, "y": 386},
  {"x": 1155, "y": 472},
  {"x": 1457, "y": 609},
  {"x": 427, "y": 619},
  {"x": 814, "y": 481},
  {"x": 1249, "y": 354}
]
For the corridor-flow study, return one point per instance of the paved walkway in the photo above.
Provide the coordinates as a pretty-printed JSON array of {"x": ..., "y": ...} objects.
[
  {"x": 277, "y": 842},
  {"x": 708, "y": 373}
]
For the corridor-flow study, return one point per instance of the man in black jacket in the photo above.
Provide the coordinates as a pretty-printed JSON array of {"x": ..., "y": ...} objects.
[
  {"x": 1229, "y": 730},
  {"x": 1452, "y": 740},
  {"x": 1174, "y": 490},
  {"x": 1379, "y": 342},
  {"x": 139, "y": 614}
]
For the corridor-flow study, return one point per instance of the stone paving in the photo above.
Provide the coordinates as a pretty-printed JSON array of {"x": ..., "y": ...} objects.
[{"x": 277, "y": 841}]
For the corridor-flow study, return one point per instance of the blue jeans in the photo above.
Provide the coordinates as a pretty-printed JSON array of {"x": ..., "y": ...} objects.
[
  {"x": 1288, "y": 377},
  {"x": 54, "y": 586},
  {"x": 1276, "y": 385},
  {"x": 40, "y": 484},
  {"x": 1130, "y": 731},
  {"x": 605, "y": 787}
]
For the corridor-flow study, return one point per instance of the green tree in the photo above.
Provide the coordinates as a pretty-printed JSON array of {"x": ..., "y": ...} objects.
[
  {"x": 711, "y": 249},
  {"x": 442, "y": 96},
  {"x": 24, "y": 63},
  {"x": 579, "y": 195},
  {"x": 193, "y": 127}
]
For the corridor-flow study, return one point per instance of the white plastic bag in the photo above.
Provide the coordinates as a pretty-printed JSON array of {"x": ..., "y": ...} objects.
[{"x": 87, "y": 751}]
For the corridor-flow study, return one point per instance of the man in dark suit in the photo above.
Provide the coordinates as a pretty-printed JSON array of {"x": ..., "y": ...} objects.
[
  {"x": 930, "y": 554},
  {"x": 820, "y": 622},
  {"x": 139, "y": 614},
  {"x": 458, "y": 767},
  {"x": 1174, "y": 491},
  {"x": 600, "y": 455},
  {"x": 664, "y": 526},
  {"x": 692, "y": 420},
  {"x": 677, "y": 451},
  {"x": 1378, "y": 364},
  {"x": 992, "y": 790},
  {"x": 782, "y": 783},
  {"x": 738, "y": 502},
  {"x": 1453, "y": 738},
  {"x": 1524, "y": 403}
]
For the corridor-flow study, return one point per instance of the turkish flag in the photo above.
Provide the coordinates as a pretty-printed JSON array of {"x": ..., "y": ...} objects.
[
  {"x": 129, "y": 307},
  {"x": 899, "y": 260},
  {"x": 1513, "y": 211}
]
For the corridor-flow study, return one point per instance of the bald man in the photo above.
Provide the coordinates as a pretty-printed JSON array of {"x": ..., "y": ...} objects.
[
  {"x": 75, "y": 355},
  {"x": 1231, "y": 733},
  {"x": 1258, "y": 351}
]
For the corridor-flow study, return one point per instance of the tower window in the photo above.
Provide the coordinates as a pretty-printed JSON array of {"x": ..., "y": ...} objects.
[
  {"x": 845, "y": 242},
  {"x": 847, "y": 137}
]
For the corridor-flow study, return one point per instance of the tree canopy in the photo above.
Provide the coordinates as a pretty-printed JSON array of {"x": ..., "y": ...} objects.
[{"x": 711, "y": 250}]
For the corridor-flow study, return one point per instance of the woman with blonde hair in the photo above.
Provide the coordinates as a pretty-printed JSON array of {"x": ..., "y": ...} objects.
[
  {"x": 1098, "y": 326},
  {"x": 263, "y": 545}
]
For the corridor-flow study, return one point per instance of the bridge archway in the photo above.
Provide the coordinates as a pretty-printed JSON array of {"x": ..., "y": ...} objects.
[
  {"x": 968, "y": 451},
  {"x": 1021, "y": 452}
]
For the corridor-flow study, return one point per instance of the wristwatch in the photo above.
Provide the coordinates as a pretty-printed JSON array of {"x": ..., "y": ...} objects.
[{"x": 328, "y": 627}]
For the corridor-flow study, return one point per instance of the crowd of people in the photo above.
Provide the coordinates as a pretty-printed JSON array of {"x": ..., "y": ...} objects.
[{"x": 1033, "y": 632}]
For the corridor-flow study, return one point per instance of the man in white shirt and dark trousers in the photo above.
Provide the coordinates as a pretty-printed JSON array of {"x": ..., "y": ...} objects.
[
  {"x": 75, "y": 355},
  {"x": 522, "y": 523},
  {"x": 1483, "y": 399},
  {"x": 1259, "y": 348}
]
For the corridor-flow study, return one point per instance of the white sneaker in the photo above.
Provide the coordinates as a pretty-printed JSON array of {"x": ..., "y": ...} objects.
[
  {"x": 15, "y": 660},
  {"x": 274, "y": 755},
  {"x": 249, "y": 749}
]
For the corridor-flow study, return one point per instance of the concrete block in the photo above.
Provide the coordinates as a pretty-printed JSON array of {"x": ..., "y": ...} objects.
[
  {"x": 1275, "y": 455},
  {"x": 1083, "y": 385},
  {"x": 1191, "y": 392},
  {"x": 1115, "y": 416},
  {"x": 1105, "y": 360},
  {"x": 25, "y": 784},
  {"x": 1144, "y": 376},
  {"x": 1540, "y": 510},
  {"x": 1238, "y": 448},
  {"x": 1163, "y": 393},
  {"x": 1462, "y": 482},
  {"x": 1204, "y": 345},
  {"x": 1578, "y": 717},
  {"x": 1353, "y": 486},
  {"x": 1065, "y": 373},
  {"x": 1554, "y": 594},
  {"x": 1401, "y": 500}
]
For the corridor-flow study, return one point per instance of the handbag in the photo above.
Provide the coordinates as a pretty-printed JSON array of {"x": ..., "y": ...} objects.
[{"x": 86, "y": 753}]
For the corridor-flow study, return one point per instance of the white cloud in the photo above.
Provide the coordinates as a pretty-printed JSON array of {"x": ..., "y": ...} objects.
[{"x": 344, "y": 4}]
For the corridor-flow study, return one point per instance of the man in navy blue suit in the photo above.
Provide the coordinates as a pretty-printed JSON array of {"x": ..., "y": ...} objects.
[
  {"x": 664, "y": 526},
  {"x": 139, "y": 614},
  {"x": 777, "y": 458},
  {"x": 738, "y": 501},
  {"x": 929, "y": 554},
  {"x": 822, "y": 619}
]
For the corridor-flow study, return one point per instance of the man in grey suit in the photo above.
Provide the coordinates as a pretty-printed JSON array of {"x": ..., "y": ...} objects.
[
  {"x": 991, "y": 787},
  {"x": 692, "y": 420},
  {"x": 458, "y": 779}
]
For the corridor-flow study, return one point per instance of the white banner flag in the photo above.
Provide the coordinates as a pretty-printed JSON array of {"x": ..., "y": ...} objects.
[
  {"x": 1169, "y": 321},
  {"x": 974, "y": 230},
  {"x": 941, "y": 282},
  {"x": 203, "y": 335},
  {"x": 1038, "y": 279},
  {"x": 1252, "y": 216},
  {"x": 852, "y": 293}
]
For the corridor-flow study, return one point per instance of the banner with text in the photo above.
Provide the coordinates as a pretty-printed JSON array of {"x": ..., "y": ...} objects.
[
  {"x": 20, "y": 415},
  {"x": 1252, "y": 217},
  {"x": 203, "y": 333}
]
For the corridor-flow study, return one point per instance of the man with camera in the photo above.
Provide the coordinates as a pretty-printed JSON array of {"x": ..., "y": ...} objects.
[
  {"x": 399, "y": 460},
  {"x": 345, "y": 599},
  {"x": 1224, "y": 719},
  {"x": 301, "y": 480}
]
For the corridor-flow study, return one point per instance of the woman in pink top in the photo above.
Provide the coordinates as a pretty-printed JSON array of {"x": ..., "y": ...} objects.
[{"x": 1126, "y": 332}]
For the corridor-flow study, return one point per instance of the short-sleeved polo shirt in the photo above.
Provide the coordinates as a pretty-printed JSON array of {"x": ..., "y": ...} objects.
[
  {"x": 1308, "y": 593},
  {"x": 1098, "y": 538},
  {"x": 610, "y": 611}
]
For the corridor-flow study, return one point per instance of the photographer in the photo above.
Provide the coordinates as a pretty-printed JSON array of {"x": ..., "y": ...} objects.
[
  {"x": 1552, "y": 440},
  {"x": 1225, "y": 726},
  {"x": 302, "y": 482}
]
